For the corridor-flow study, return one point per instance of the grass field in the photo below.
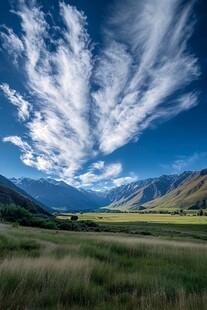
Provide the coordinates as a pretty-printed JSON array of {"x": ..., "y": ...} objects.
[
  {"x": 45, "y": 269},
  {"x": 189, "y": 228},
  {"x": 138, "y": 217}
]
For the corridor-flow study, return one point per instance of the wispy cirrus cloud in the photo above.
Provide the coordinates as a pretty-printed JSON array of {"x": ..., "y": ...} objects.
[
  {"x": 144, "y": 62},
  {"x": 31, "y": 158},
  {"x": 11, "y": 43},
  {"x": 184, "y": 162},
  {"x": 23, "y": 106},
  {"x": 58, "y": 79}
]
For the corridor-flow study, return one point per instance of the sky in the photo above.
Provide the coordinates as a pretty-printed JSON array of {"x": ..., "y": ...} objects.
[{"x": 102, "y": 93}]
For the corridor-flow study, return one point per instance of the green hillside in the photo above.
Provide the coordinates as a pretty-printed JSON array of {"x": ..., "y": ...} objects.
[{"x": 10, "y": 196}]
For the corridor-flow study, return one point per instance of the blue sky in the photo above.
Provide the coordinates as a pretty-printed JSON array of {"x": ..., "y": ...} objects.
[{"x": 101, "y": 93}]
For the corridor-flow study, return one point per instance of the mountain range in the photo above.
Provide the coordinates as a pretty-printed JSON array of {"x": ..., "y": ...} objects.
[
  {"x": 57, "y": 195},
  {"x": 187, "y": 190}
]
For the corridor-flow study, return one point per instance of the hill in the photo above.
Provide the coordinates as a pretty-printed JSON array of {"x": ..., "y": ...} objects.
[
  {"x": 6, "y": 182},
  {"x": 10, "y": 196}
]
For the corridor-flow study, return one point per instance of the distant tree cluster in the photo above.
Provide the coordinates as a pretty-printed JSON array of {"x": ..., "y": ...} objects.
[{"x": 21, "y": 216}]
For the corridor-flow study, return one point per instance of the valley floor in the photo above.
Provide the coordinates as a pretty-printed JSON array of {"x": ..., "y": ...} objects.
[
  {"x": 141, "y": 217},
  {"x": 45, "y": 269},
  {"x": 175, "y": 227}
]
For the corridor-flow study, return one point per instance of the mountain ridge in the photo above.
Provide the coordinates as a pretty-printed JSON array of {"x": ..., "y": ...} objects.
[
  {"x": 57, "y": 195},
  {"x": 134, "y": 196},
  {"x": 192, "y": 193}
]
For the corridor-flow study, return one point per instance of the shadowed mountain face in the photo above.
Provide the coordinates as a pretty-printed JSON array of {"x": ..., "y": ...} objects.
[
  {"x": 7, "y": 185},
  {"x": 58, "y": 196},
  {"x": 163, "y": 192},
  {"x": 11, "y": 196}
]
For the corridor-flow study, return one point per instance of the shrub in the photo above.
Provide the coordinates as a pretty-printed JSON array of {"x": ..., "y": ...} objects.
[{"x": 200, "y": 213}]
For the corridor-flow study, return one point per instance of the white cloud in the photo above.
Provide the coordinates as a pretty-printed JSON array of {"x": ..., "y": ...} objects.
[
  {"x": 184, "y": 162},
  {"x": 18, "y": 142},
  {"x": 28, "y": 156},
  {"x": 58, "y": 78},
  {"x": 136, "y": 83},
  {"x": 16, "y": 99},
  {"x": 11, "y": 43},
  {"x": 98, "y": 165},
  {"x": 145, "y": 60},
  {"x": 124, "y": 180},
  {"x": 98, "y": 172}
]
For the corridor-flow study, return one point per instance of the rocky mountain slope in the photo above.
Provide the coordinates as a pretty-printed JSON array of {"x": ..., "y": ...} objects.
[
  {"x": 191, "y": 194},
  {"x": 185, "y": 190},
  {"x": 134, "y": 195}
]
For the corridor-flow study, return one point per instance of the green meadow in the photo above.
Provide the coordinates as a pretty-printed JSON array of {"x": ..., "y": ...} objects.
[
  {"x": 141, "y": 217},
  {"x": 173, "y": 227},
  {"x": 49, "y": 269}
]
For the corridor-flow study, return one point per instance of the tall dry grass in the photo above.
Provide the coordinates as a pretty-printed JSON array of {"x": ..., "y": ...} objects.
[{"x": 44, "y": 270}]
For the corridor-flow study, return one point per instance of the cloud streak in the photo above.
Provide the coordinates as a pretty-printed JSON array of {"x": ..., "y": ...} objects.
[
  {"x": 23, "y": 106},
  {"x": 139, "y": 75},
  {"x": 86, "y": 105},
  {"x": 58, "y": 79},
  {"x": 184, "y": 162}
]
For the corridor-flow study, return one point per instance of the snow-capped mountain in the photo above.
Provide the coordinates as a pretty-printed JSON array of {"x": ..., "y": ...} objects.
[{"x": 59, "y": 196}]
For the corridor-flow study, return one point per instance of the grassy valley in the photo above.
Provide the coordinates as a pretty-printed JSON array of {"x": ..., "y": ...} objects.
[
  {"x": 100, "y": 260},
  {"x": 103, "y": 129}
]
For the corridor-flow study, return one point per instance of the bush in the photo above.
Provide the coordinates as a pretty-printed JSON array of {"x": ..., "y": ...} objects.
[
  {"x": 200, "y": 213},
  {"x": 74, "y": 218},
  {"x": 13, "y": 213}
]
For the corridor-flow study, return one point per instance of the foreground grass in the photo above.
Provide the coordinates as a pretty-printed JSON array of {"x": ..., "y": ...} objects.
[{"x": 42, "y": 269}]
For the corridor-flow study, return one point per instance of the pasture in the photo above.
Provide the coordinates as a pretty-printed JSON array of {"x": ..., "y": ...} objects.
[
  {"x": 141, "y": 217},
  {"x": 176, "y": 227}
]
